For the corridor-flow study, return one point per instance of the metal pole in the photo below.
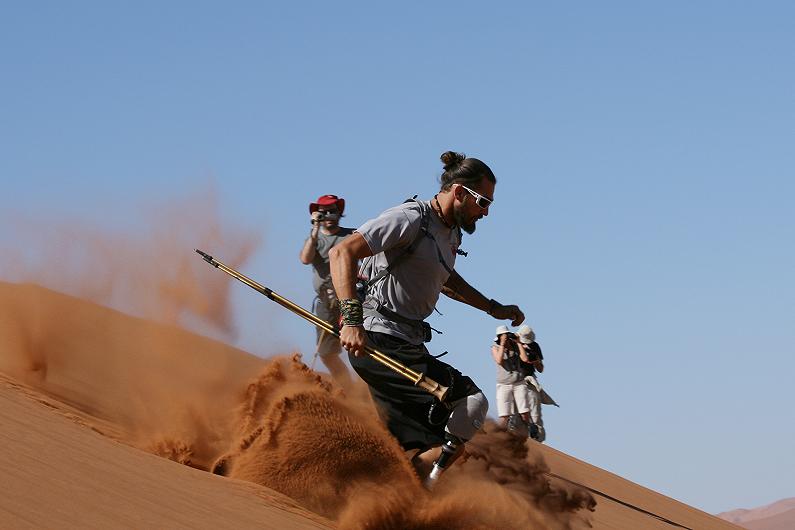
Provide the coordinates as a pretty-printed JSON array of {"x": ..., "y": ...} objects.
[{"x": 419, "y": 379}]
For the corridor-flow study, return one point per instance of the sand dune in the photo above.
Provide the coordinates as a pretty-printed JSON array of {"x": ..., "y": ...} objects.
[
  {"x": 59, "y": 474},
  {"x": 779, "y": 515},
  {"x": 92, "y": 395}
]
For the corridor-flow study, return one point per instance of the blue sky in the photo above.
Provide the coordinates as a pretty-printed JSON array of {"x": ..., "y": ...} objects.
[{"x": 643, "y": 216}]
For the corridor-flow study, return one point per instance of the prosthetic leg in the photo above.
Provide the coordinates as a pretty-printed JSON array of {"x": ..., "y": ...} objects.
[
  {"x": 466, "y": 418},
  {"x": 451, "y": 449}
]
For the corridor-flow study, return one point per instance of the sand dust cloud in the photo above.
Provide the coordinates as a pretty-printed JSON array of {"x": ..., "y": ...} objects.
[{"x": 104, "y": 335}]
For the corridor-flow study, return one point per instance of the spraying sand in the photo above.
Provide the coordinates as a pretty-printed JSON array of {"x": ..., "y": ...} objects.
[{"x": 276, "y": 423}]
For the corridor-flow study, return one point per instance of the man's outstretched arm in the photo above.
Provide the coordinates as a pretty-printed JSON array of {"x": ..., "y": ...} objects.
[{"x": 458, "y": 289}]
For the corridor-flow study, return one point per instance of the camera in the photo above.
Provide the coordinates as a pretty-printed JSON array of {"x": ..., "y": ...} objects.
[
  {"x": 325, "y": 216},
  {"x": 511, "y": 342}
]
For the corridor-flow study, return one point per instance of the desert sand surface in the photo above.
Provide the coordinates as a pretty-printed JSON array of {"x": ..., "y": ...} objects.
[
  {"x": 779, "y": 515},
  {"x": 114, "y": 421},
  {"x": 59, "y": 473}
]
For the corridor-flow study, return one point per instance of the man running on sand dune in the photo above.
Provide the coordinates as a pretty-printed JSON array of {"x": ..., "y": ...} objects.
[{"x": 409, "y": 254}]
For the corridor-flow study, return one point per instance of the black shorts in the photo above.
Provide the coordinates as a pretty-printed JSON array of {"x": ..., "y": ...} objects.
[{"x": 404, "y": 407}]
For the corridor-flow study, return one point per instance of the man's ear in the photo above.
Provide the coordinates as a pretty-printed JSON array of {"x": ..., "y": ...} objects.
[{"x": 458, "y": 192}]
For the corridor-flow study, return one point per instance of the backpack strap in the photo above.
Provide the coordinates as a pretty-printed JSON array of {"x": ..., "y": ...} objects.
[
  {"x": 425, "y": 221},
  {"x": 423, "y": 232}
]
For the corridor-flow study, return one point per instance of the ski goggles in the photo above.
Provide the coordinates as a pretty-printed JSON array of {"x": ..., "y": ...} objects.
[{"x": 480, "y": 200}]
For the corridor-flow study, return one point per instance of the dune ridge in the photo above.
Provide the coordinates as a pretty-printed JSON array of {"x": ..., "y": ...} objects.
[{"x": 779, "y": 515}]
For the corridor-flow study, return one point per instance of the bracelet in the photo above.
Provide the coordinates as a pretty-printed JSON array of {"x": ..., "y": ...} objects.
[
  {"x": 492, "y": 306},
  {"x": 352, "y": 312}
]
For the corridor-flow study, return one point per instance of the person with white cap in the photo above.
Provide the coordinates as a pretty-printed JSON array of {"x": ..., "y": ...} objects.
[
  {"x": 531, "y": 360},
  {"x": 325, "y": 234},
  {"x": 511, "y": 387}
]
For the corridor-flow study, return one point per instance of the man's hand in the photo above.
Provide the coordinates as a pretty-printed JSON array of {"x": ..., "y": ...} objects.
[
  {"x": 309, "y": 249},
  {"x": 508, "y": 312},
  {"x": 353, "y": 339},
  {"x": 315, "y": 225}
]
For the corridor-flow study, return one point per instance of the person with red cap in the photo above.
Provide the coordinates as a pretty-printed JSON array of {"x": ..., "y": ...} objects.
[{"x": 325, "y": 234}]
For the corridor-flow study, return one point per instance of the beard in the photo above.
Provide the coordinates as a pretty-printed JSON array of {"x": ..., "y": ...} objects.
[{"x": 467, "y": 226}]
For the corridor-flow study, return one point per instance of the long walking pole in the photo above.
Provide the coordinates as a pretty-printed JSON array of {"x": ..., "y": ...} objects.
[{"x": 418, "y": 378}]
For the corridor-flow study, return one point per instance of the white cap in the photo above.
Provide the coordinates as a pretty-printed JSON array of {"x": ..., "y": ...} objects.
[
  {"x": 501, "y": 330},
  {"x": 526, "y": 334}
]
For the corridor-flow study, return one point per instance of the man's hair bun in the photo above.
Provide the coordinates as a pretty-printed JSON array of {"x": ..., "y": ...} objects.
[
  {"x": 462, "y": 170},
  {"x": 451, "y": 159}
]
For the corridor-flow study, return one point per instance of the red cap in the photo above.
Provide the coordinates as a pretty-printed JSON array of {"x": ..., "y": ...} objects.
[{"x": 327, "y": 200}]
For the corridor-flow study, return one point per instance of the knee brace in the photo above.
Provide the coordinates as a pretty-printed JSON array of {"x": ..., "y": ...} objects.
[{"x": 467, "y": 416}]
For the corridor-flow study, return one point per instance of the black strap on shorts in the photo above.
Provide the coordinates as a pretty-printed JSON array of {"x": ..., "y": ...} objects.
[{"x": 396, "y": 317}]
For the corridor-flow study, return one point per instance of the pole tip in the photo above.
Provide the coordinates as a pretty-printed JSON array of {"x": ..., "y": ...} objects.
[{"x": 207, "y": 257}]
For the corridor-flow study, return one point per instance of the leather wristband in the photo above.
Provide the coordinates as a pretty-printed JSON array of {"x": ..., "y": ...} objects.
[
  {"x": 352, "y": 312},
  {"x": 492, "y": 306}
]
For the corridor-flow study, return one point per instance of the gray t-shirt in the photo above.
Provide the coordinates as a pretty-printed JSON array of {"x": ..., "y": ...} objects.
[
  {"x": 510, "y": 371},
  {"x": 411, "y": 289},
  {"x": 321, "y": 273}
]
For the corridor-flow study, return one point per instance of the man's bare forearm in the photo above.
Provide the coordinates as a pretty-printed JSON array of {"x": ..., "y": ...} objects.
[
  {"x": 309, "y": 249},
  {"x": 344, "y": 263},
  {"x": 343, "y": 272},
  {"x": 458, "y": 289},
  {"x": 447, "y": 291},
  {"x": 344, "y": 259}
]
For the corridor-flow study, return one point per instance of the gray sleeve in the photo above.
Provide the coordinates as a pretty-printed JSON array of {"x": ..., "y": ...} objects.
[{"x": 396, "y": 227}]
